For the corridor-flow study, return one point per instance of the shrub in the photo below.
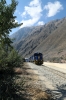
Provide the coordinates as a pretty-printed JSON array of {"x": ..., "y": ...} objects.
[{"x": 8, "y": 87}]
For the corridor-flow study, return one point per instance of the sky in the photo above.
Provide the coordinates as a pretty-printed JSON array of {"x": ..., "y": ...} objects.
[{"x": 38, "y": 12}]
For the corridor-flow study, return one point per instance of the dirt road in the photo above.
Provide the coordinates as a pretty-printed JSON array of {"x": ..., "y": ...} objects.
[{"x": 57, "y": 66}]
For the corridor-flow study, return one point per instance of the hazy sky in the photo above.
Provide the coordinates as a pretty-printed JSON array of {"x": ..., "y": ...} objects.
[{"x": 38, "y": 12}]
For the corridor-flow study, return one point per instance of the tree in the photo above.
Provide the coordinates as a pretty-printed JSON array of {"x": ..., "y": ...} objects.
[
  {"x": 7, "y": 20},
  {"x": 14, "y": 59},
  {"x": 9, "y": 58}
]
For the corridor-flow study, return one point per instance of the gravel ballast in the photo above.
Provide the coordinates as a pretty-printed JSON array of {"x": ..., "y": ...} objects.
[{"x": 51, "y": 80}]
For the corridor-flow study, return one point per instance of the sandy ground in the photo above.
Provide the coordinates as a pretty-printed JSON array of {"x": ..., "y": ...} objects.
[
  {"x": 57, "y": 66},
  {"x": 31, "y": 89},
  {"x": 60, "y": 65}
]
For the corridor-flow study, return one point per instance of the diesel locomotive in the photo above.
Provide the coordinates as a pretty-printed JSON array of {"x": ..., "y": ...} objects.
[{"x": 37, "y": 58}]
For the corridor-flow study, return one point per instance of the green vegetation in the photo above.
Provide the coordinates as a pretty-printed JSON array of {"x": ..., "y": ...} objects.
[
  {"x": 9, "y": 57},
  {"x": 8, "y": 86}
]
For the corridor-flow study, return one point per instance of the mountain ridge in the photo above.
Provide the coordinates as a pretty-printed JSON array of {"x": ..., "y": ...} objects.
[{"x": 50, "y": 39}]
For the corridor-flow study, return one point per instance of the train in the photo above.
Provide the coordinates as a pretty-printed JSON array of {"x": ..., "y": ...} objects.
[{"x": 37, "y": 58}]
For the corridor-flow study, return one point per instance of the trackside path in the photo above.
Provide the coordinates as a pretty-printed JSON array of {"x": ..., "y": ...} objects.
[
  {"x": 57, "y": 66},
  {"x": 51, "y": 80}
]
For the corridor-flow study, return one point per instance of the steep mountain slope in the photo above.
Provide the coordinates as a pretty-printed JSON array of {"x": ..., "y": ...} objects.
[
  {"x": 50, "y": 39},
  {"x": 55, "y": 44},
  {"x": 21, "y": 34}
]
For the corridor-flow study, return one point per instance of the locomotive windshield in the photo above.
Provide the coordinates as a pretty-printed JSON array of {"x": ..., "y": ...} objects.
[{"x": 38, "y": 56}]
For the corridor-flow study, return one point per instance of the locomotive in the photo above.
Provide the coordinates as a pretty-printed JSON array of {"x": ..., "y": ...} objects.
[{"x": 37, "y": 58}]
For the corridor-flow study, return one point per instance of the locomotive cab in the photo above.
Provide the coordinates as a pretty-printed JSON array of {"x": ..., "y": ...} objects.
[{"x": 38, "y": 58}]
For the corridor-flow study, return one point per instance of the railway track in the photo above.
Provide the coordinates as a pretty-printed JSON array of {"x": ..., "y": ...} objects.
[
  {"x": 57, "y": 72},
  {"x": 52, "y": 77}
]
